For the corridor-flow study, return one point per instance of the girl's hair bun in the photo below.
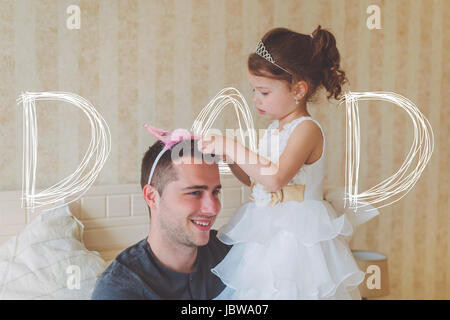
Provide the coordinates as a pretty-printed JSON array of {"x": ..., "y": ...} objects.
[{"x": 327, "y": 59}]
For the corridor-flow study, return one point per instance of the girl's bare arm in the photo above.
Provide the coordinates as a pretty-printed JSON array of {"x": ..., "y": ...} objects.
[{"x": 239, "y": 173}]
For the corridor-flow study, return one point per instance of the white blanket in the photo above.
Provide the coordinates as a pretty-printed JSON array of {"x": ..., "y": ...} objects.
[{"x": 48, "y": 260}]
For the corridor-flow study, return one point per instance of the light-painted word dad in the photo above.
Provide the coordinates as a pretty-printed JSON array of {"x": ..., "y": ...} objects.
[{"x": 75, "y": 185}]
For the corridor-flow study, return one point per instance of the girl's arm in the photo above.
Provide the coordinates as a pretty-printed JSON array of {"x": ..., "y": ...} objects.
[
  {"x": 304, "y": 140},
  {"x": 240, "y": 174}
]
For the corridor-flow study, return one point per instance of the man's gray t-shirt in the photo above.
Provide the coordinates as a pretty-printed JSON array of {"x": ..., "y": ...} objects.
[{"x": 137, "y": 274}]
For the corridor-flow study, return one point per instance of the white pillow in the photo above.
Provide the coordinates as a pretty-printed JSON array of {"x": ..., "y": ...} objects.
[{"x": 42, "y": 262}]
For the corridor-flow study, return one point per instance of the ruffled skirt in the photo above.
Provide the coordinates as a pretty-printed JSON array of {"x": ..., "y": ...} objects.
[{"x": 295, "y": 250}]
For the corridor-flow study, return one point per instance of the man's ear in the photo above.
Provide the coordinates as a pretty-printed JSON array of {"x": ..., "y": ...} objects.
[
  {"x": 151, "y": 196},
  {"x": 300, "y": 89}
]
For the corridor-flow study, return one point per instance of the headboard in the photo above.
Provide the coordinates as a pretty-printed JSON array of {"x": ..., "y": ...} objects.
[{"x": 114, "y": 217}]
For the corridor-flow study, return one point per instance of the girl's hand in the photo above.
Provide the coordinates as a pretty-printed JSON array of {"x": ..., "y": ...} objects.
[{"x": 214, "y": 144}]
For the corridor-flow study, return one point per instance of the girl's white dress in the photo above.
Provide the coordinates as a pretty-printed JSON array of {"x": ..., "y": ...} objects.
[{"x": 294, "y": 250}]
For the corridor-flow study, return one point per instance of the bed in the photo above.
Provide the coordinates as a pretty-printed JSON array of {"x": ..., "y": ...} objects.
[{"x": 59, "y": 254}]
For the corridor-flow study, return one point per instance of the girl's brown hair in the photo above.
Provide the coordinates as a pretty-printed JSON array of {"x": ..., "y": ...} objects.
[{"x": 311, "y": 58}]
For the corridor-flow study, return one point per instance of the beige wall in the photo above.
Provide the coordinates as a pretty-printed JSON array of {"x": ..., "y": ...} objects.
[{"x": 161, "y": 61}]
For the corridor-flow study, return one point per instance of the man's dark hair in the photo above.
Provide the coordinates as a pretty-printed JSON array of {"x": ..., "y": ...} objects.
[{"x": 164, "y": 171}]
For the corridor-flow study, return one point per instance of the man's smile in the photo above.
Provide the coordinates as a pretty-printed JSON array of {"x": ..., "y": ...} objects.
[{"x": 202, "y": 223}]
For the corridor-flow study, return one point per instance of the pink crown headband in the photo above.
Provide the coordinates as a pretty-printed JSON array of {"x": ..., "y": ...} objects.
[{"x": 169, "y": 139}]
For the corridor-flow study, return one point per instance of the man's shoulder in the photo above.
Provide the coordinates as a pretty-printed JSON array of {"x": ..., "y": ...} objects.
[
  {"x": 128, "y": 258},
  {"x": 121, "y": 279},
  {"x": 133, "y": 252}
]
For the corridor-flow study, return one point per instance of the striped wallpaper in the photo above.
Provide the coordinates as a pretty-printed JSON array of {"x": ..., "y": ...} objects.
[{"x": 161, "y": 61}]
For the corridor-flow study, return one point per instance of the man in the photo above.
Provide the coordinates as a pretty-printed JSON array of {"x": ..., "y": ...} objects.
[{"x": 175, "y": 260}]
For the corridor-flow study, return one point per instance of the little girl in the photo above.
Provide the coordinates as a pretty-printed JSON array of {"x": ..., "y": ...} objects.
[{"x": 288, "y": 242}]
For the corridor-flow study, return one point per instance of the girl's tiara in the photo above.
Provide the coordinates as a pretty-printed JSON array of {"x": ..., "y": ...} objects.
[{"x": 262, "y": 52}]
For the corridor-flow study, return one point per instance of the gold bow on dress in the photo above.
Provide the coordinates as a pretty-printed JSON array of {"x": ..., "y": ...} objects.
[{"x": 294, "y": 192}]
